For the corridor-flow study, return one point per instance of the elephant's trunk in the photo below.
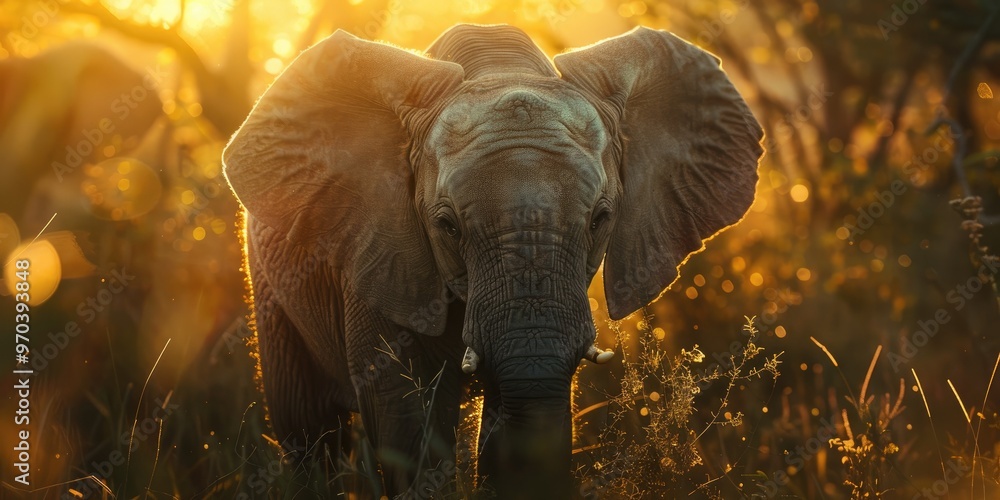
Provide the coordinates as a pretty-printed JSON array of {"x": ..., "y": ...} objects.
[
  {"x": 529, "y": 355},
  {"x": 528, "y": 324},
  {"x": 525, "y": 451}
]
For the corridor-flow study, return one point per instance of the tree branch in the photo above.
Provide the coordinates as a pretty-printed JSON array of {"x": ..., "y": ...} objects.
[
  {"x": 970, "y": 50},
  {"x": 959, "y": 132},
  {"x": 145, "y": 33},
  {"x": 224, "y": 98}
]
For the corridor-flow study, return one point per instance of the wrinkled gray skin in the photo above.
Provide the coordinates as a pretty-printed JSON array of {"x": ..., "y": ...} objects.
[{"x": 378, "y": 183}]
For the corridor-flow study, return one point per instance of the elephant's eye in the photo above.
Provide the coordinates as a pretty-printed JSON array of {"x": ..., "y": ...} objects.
[
  {"x": 600, "y": 216},
  {"x": 447, "y": 225}
]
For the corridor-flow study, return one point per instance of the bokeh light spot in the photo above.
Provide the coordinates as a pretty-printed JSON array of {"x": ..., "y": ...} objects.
[
  {"x": 799, "y": 193},
  {"x": 803, "y": 274},
  {"x": 273, "y": 65},
  {"x": 44, "y": 271},
  {"x": 738, "y": 264},
  {"x": 282, "y": 47},
  {"x": 121, "y": 188}
]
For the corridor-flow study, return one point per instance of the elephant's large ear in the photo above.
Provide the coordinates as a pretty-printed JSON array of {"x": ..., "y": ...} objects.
[
  {"x": 690, "y": 149},
  {"x": 322, "y": 159}
]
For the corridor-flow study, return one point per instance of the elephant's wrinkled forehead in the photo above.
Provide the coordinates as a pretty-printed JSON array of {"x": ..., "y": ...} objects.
[
  {"x": 488, "y": 117},
  {"x": 502, "y": 147}
]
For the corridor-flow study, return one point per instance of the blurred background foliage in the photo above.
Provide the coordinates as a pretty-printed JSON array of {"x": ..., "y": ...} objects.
[{"x": 113, "y": 115}]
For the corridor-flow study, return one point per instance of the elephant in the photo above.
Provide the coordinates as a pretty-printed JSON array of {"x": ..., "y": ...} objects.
[
  {"x": 449, "y": 209},
  {"x": 60, "y": 110}
]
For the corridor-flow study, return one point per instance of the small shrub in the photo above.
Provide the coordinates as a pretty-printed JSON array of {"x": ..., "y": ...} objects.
[{"x": 651, "y": 442}]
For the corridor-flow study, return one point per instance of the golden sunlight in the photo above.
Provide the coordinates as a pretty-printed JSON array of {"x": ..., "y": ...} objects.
[
  {"x": 44, "y": 273},
  {"x": 872, "y": 200}
]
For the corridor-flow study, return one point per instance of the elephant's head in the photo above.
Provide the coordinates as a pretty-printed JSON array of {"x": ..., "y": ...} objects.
[{"x": 488, "y": 170}]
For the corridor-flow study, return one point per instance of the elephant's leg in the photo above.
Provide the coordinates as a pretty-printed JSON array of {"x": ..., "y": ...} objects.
[
  {"x": 300, "y": 395},
  {"x": 409, "y": 404}
]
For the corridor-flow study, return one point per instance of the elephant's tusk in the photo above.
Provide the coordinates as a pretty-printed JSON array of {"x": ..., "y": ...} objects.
[
  {"x": 471, "y": 361},
  {"x": 599, "y": 356}
]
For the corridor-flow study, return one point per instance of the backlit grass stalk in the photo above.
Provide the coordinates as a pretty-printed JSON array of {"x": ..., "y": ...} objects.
[
  {"x": 979, "y": 425},
  {"x": 869, "y": 452},
  {"x": 927, "y": 407}
]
